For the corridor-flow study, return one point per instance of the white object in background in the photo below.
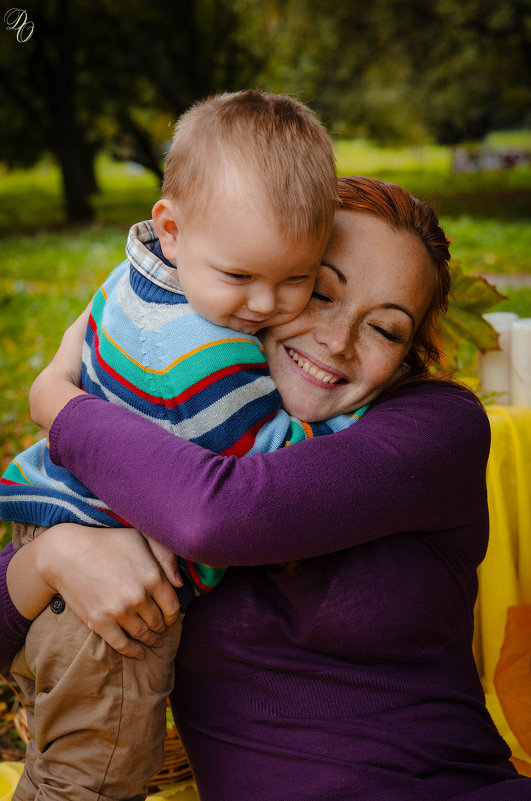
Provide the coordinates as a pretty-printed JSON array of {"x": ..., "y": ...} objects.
[
  {"x": 495, "y": 365},
  {"x": 521, "y": 362}
]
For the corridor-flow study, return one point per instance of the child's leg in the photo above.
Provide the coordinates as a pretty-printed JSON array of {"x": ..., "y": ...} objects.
[{"x": 98, "y": 719}]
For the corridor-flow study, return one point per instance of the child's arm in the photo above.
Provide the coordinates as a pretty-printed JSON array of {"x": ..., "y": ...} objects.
[
  {"x": 29, "y": 589},
  {"x": 60, "y": 381}
]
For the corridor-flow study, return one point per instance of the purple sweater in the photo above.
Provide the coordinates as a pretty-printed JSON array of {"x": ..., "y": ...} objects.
[{"x": 351, "y": 675}]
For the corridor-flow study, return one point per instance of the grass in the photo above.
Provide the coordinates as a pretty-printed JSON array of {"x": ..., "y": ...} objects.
[
  {"x": 490, "y": 245},
  {"x": 518, "y": 301},
  {"x": 31, "y": 199},
  {"x": 46, "y": 281},
  {"x": 49, "y": 271}
]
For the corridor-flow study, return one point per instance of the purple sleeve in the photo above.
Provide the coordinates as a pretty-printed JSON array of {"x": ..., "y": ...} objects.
[
  {"x": 393, "y": 471},
  {"x": 13, "y": 626}
]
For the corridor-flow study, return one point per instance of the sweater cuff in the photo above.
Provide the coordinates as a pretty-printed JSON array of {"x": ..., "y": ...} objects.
[
  {"x": 16, "y": 624},
  {"x": 55, "y": 429},
  {"x": 13, "y": 625}
]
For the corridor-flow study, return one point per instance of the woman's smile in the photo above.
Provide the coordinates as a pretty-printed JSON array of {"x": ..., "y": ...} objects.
[{"x": 313, "y": 370}]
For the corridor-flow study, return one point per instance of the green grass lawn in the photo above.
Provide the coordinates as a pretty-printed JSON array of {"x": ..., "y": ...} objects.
[
  {"x": 49, "y": 271},
  {"x": 31, "y": 199}
]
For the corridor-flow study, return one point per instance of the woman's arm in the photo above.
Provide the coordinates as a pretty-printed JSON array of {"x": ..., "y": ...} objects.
[
  {"x": 416, "y": 461},
  {"x": 13, "y": 625}
]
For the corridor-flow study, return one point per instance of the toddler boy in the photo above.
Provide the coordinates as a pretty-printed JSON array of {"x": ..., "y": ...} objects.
[{"x": 234, "y": 246}]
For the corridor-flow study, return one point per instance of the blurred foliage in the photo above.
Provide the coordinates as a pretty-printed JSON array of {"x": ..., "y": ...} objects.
[
  {"x": 403, "y": 69},
  {"x": 490, "y": 245},
  {"x": 470, "y": 298},
  {"x": 426, "y": 171},
  {"x": 100, "y": 75},
  {"x": 516, "y": 300},
  {"x": 12, "y": 747}
]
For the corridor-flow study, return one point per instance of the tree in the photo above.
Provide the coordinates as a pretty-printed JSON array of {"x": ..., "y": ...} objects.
[
  {"x": 40, "y": 107},
  {"x": 95, "y": 74},
  {"x": 406, "y": 69},
  {"x": 481, "y": 72}
]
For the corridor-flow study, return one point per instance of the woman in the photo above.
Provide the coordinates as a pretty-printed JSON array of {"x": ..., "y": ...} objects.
[{"x": 334, "y": 661}]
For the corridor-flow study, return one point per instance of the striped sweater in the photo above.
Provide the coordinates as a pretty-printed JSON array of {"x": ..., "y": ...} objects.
[{"x": 146, "y": 349}]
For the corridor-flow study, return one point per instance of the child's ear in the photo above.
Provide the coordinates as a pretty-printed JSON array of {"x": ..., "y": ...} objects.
[{"x": 164, "y": 215}]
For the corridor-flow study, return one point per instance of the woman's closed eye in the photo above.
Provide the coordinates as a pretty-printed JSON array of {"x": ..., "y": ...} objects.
[
  {"x": 319, "y": 296},
  {"x": 387, "y": 334}
]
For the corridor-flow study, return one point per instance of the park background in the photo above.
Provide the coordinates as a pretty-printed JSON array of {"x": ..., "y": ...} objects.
[{"x": 435, "y": 96}]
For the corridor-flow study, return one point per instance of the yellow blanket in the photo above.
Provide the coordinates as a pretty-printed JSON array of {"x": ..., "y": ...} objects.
[{"x": 502, "y": 643}]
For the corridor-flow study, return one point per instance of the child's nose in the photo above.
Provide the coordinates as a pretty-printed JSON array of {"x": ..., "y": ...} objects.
[{"x": 262, "y": 300}]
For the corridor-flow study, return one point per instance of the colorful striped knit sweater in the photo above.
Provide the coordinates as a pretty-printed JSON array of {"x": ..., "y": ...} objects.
[{"x": 146, "y": 349}]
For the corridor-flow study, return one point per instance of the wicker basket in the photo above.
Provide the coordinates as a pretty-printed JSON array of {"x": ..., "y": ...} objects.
[
  {"x": 21, "y": 725},
  {"x": 176, "y": 767}
]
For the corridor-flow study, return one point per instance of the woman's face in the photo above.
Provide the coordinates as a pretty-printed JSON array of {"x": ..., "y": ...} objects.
[{"x": 349, "y": 343}]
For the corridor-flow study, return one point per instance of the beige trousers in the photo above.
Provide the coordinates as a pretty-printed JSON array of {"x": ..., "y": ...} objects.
[{"x": 97, "y": 719}]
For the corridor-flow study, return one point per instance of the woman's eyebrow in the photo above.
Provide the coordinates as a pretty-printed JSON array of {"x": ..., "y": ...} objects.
[
  {"x": 400, "y": 308},
  {"x": 343, "y": 279},
  {"x": 340, "y": 275}
]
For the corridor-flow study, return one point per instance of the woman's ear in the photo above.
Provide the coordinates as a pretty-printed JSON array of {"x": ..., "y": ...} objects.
[{"x": 164, "y": 214}]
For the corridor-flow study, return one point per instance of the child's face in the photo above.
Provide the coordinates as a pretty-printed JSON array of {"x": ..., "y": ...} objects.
[{"x": 233, "y": 264}]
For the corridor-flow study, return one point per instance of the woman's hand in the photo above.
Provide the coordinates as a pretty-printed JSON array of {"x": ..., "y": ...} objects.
[
  {"x": 167, "y": 561},
  {"x": 59, "y": 382},
  {"x": 108, "y": 577}
]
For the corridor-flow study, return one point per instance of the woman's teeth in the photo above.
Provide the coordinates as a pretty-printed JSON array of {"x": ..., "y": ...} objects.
[{"x": 326, "y": 378}]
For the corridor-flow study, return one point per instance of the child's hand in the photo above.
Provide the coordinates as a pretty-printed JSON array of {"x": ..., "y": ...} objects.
[
  {"x": 60, "y": 381},
  {"x": 167, "y": 561}
]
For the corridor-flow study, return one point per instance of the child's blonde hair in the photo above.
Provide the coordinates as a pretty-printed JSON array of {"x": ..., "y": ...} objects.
[{"x": 274, "y": 141}]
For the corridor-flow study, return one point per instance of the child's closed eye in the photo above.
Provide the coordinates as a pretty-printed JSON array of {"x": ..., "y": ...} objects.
[{"x": 237, "y": 276}]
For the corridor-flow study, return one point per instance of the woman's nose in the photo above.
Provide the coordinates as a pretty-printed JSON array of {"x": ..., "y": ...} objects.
[
  {"x": 262, "y": 300},
  {"x": 338, "y": 338}
]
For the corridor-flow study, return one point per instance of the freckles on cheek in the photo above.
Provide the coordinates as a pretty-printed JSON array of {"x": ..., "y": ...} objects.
[{"x": 311, "y": 315}]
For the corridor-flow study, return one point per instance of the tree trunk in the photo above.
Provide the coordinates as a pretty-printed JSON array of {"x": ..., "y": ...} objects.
[
  {"x": 70, "y": 145},
  {"x": 77, "y": 187}
]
